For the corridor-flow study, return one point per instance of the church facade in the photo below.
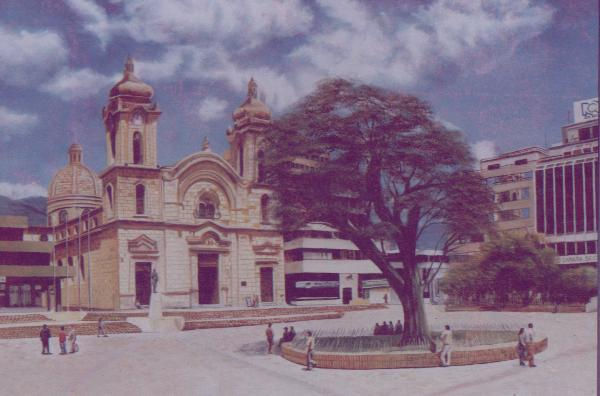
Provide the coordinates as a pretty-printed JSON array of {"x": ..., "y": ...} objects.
[{"x": 202, "y": 223}]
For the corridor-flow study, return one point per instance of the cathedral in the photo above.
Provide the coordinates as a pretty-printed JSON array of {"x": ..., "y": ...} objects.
[{"x": 202, "y": 223}]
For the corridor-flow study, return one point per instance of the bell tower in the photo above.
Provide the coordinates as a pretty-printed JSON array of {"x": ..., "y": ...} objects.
[
  {"x": 245, "y": 137},
  {"x": 130, "y": 119}
]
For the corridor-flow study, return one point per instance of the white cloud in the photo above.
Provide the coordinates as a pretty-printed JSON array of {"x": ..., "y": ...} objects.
[
  {"x": 13, "y": 123},
  {"x": 72, "y": 84},
  {"x": 95, "y": 19},
  {"x": 18, "y": 191},
  {"x": 483, "y": 149},
  {"x": 212, "y": 109},
  {"x": 193, "y": 21},
  {"x": 28, "y": 57},
  {"x": 161, "y": 69},
  {"x": 472, "y": 34}
]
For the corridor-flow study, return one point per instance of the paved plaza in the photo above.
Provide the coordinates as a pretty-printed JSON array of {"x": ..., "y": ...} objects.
[{"x": 232, "y": 362}]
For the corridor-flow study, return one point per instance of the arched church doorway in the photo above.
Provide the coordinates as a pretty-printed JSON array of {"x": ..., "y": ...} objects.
[{"x": 208, "y": 278}]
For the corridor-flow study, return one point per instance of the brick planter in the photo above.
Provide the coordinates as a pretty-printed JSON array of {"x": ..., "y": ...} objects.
[
  {"x": 7, "y": 319},
  {"x": 367, "y": 361},
  {"x": 215, "y": 324},
  {"x": 562, "y": 308}
]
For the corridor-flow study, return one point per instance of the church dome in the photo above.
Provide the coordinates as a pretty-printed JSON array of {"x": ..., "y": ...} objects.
[
  {"x": 252, "y": 106},
  {"x": 130, "y": 85},
  {"x": 75, "y": 179}
]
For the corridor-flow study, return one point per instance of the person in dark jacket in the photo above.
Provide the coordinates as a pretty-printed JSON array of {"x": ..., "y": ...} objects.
[
  {"x": 398, "y": 329},
  {"x": 45, "y": 337},
  {"x": 291, "y": 334}
]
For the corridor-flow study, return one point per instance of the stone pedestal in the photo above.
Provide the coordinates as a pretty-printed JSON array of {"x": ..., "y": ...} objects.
[
  {"x": 155, "y": 322},
  {"x": 155, "y": 306}
]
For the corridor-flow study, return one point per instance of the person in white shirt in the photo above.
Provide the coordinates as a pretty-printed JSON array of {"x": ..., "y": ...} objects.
[
  {"x": 529, "y": 337},
  {"x": 446, "y": 338}
]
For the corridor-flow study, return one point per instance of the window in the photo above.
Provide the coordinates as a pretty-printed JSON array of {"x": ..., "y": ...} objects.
[
  {"x": 260, "y": 177},
  {"x": 140, "y": 196},
  {"x": 560, "y": 249},
  {"x": 567, "y": 153},
  {"x": 137, "y": 148},
  {"x": 81, "y": 268},
  {"x": 207, "y": 207},
  {"x": 521, "y": 161},
  {"x": 595, "y": 131},
  {"x": 493, "y": 166},
  {"x": 504, "y": 196},
  {"x": 580, "y": 247},
  {"x": 241, "y": 158},
  {"x": 507, "y": 215},
  {"x": 44, "y": 238},
  {"x": 264, "y": 209},
  {"x": 62, "y": 216},
  {"x": 70, "y": 261},
  {"x": 525, "y": 213},
  {"x": 60, "y": 263},
  {"x": 584, "y": 133},
  {"x": 109, "y": 196},
  {"x": 525, "y": 193},
  {"x": 570, "y": 248},
  {"x": 591, "y": 247},
  {"x": 527, "y": 175}
]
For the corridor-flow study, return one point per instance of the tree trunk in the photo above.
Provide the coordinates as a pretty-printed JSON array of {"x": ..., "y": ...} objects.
[{"x": 416, "y": 329}]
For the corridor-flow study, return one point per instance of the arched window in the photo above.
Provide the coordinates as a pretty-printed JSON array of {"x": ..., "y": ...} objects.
[
  {"x": 82, "y": 267},
  {"x": 85, "y": 219},
  {"x": 264, "y": 209},
  {"x": 260, "y": 177},
  {"x": 62, "y": 216},
  {"x": 140, "y": 192},
  {"x": 109, "y": 196},
  {"x": 241, "y": 159},
  {"x": 113, "y": 141},
  {"x": 208, "y": 206},
  {"x": 137, "y": 148}
]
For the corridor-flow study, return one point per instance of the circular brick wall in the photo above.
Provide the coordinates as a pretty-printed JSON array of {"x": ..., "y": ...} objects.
[{"x": 365, "y": 361}]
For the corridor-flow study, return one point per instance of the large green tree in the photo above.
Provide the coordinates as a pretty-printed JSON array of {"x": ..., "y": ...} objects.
[{"x": 376, "y": 164}]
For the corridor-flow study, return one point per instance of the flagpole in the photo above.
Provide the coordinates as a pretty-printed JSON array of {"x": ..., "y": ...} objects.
[
  {"x": 79, "y": 257},
  {"x": 89, "y": 262}
]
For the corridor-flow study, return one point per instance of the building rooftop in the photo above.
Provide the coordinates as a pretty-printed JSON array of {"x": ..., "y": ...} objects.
[{"x": 13, "y": 222}]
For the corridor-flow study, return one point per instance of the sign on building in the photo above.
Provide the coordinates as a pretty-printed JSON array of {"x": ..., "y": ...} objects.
[{"x": 585, "y": 110}]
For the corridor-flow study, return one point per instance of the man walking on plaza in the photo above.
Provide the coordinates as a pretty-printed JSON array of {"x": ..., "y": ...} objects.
[
  {"x": 446, "y": 338},
  {"x": 270, "y": 336},
  {"x": 310, "y": 345},
  {"x": 529, "y": 336},
  {"x": 45, "y": 337},
  {"x": 101, "y": 328},
  {"x": 62, "y": 340}
]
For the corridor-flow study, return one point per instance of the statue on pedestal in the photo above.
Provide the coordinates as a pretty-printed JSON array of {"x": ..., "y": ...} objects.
[{"x": 154, "y": 278}]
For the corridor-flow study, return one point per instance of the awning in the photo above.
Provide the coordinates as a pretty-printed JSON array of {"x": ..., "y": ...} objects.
[{"x": 35, "y": 271}]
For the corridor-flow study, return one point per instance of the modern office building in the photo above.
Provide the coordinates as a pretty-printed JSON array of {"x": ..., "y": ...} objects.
[
  {"x": 27, "y": 278},
  {"x": 551, "y": 191}
]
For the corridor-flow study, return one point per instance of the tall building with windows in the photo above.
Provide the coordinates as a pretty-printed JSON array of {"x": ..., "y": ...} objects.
[
  {"x": 552, "y": 192},
  {"x": 566, "y": 191},
  {"x": 203, "y": 223}
]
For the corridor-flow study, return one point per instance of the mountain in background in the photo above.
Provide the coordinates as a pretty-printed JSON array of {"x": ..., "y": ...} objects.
[{"x": 32, "y": 207}]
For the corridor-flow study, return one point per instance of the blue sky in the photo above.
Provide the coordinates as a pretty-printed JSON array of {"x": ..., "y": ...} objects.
[{"x": 505, "y": 72}]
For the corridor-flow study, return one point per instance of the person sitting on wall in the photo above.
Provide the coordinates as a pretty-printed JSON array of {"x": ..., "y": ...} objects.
[
  {"x": 377, "y": 330},
  {"x": 398, "y": 329},
  {"x": 285, "y": 337},
  {"x": 390, "y": 328},
  {"x": 291, "y": 334},
  {"x": 384, "y": 328}
]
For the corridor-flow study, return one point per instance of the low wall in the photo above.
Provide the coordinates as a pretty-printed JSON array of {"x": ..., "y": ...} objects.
[
  {"x": 367, "y": 361},
  {"x": 562, "y": 308},
  {"x": 217, "y": 324}
]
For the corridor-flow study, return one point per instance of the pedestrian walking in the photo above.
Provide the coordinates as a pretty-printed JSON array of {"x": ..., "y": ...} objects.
[
  {"x": 62, "y": 340},
  {"x": 310, "y": 346},
  {"x": 522, "y": 347},
  {"x": 385, "y": 298},
  {"x": 270, "y": 336},
  {"x": 45, "y": 338},
  {"x": 101, "y": 327},
  {"x": 73, "y": 340},
  {"x": 446, "y": 338},
  {"x": 529, "y": 337}
]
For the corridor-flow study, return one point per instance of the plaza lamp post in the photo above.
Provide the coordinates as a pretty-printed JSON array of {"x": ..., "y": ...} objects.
[{"x": 89, "y": 280}]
